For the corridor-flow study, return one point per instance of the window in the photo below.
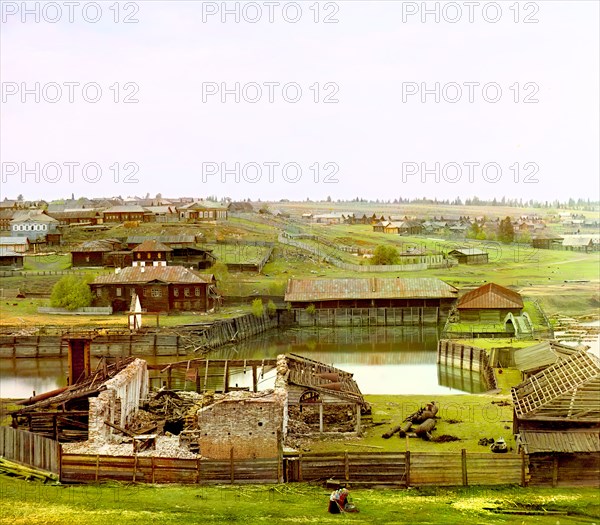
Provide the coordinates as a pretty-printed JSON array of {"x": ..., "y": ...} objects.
[
  {"x": 176, "y": 292},
  {"x": 43, "y": 226},
  {"x": 139, "y": 255},
  {"x": 146, "y": 292},
  {"x": 197, "y": 291},
  {"x": 159, "y": 255},
  {"x": 156, "y": 292},
  {"x": 98, "y": 292},
  {"x": 186, "y": 292},
  {"x": 148, "y": 255},
  {"x": 119, "y": 291}
]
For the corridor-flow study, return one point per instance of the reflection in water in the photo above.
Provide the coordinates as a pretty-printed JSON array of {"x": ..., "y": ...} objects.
[{"x": 384, "y": 360}]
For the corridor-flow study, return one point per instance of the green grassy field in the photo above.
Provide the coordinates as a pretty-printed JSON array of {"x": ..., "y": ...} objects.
[{"x": 36, "y": 504}]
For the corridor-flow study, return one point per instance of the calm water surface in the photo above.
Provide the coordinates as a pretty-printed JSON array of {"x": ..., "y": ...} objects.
[{"x": 384, "y": 360}]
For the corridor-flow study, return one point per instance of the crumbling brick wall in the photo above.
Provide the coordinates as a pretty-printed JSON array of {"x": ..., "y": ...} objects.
[
  {"x": 251, "y": 426},
  {"x": 119, "y": 402}
]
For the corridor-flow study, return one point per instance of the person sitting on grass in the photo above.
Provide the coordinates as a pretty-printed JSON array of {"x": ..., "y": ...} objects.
[{"x": 339, "y": 502}]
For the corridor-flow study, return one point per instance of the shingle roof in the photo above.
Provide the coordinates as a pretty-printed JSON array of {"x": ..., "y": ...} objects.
[
  {"x": 368, "y": 288},
  {"x": 132, "y": 208},
  {"x": 152, "y": 245},
  {"x": 32, "y": 216},
  {"x": 490, "y": 295},
  {"x": 577, "y": 241},
  {"x": 166, "y": 274}
]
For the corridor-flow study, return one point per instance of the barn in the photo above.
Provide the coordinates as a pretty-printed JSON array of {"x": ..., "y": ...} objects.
[
  {"x": 10, "y": 259},
  {"x": 489, "y": 303},
  {"x": 94, "y": 253},
  {"x": 469, "y": 255},
  {"x": 371, "y": 292}
]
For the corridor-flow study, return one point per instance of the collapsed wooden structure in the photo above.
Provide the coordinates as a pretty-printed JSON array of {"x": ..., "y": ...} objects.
[
  {"x": 557, "y": 421},
  {"x": 63, "y": 414}
]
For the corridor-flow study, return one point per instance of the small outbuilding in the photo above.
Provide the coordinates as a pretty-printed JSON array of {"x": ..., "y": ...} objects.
[
  {"x": 469, "y": 255},
  {"x": 489, "y": 303}
]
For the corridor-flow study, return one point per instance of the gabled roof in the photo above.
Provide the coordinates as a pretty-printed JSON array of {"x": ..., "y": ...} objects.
[
  {"x": 84, "y": 213},
  {"x": 203, "y": 205},
  {"x": 468, "y": 251},
  {"x": 164, "y": 239},
  {"x": 368, "y": 288},
  {"x": 490, "y": 295},
  {"x": 569, "y": 390},
  {"x": 165, "y": 274},
  {"x": 541, "y": 355},
  {"x": 152, "y": 245},
  {"x": 100, "y": 245},
  {"x": 576, "y": 240},
  {"x": 8, "y": 241},
  {"x": 131, "y": 208},
  {"x": 32, "y": 216}
]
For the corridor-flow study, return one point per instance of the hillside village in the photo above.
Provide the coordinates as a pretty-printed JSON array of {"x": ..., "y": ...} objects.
[{"x": 177, "y": 286}]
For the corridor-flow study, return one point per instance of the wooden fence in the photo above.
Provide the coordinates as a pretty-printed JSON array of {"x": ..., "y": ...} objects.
[
  {"x": 466, "y": 357},
  {"x": 78, "y": 468},
  {"x": 409, "y": 468},
  {"x": 30, "y": 449},
  {"x": 143, "y": 344}
]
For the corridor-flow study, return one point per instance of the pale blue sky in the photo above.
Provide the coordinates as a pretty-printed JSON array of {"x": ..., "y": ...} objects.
[{"x": 368, "y": 134}]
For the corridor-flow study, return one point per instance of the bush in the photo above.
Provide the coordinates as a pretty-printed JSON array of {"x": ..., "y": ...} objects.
[
  {"x": 257, "y": 307},
  {"x": 271, "y": 308},
  {"x": 311, "y": 309},
  {"x": 71, "y": 293},
  {"x": 385, "y": 255}
]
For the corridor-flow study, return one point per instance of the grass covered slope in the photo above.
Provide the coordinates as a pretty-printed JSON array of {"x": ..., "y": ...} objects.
[{"x": 36, "y": 504}]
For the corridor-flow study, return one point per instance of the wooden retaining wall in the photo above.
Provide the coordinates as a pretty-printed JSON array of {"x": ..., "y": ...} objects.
[
  {"x": 415, "y": 316},
  {"x": 30, "y": 449},
  {"x": 467, "y": 357},
  {"x": 86, "y": 468},
  {"x": 145, "y": 344},
  {"x": 409, "y": 468}
]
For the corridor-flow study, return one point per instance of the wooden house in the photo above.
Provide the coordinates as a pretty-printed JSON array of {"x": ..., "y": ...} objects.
[
  {"x": 159, "y": 288},
  {"x": 163, "y": 213},
  {"x": 36, "y": 225},
  {"x": 151, "y": 253},
  {"x": 546, "y": 240},
  {"x": 370, "y": 292},
  {"x": 75, "y": 217},
  {"x": 10, "y": 259},
  {"x": 469, "y": 255},
  {"x": 94, "y": 253},
  {"x": 127, "y": 213},
  {"x": 203, "y": 211},
  {"x": 380, "y": 226},
  {"x": 578, "y": 243},
  {"x": 15, "y": 244},
  {"x": 6, "y": 215},
  {"x": 489, "y": 303},
  {"x": 172, "y": 241},
  {"x": 199, "y": 258}
]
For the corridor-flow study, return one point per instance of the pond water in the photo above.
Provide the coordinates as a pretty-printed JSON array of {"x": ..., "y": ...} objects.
[{"x": 384, "y": 360}]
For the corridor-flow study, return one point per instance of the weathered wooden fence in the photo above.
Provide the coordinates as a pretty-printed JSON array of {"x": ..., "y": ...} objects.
[
  {"x": 144, "y": 344},
  {"x": 30, "y": 449},
  {"x": 409, "y": 468},
  {"x": 467, "y": 357},
  {"x": 78, "y": 468}
]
